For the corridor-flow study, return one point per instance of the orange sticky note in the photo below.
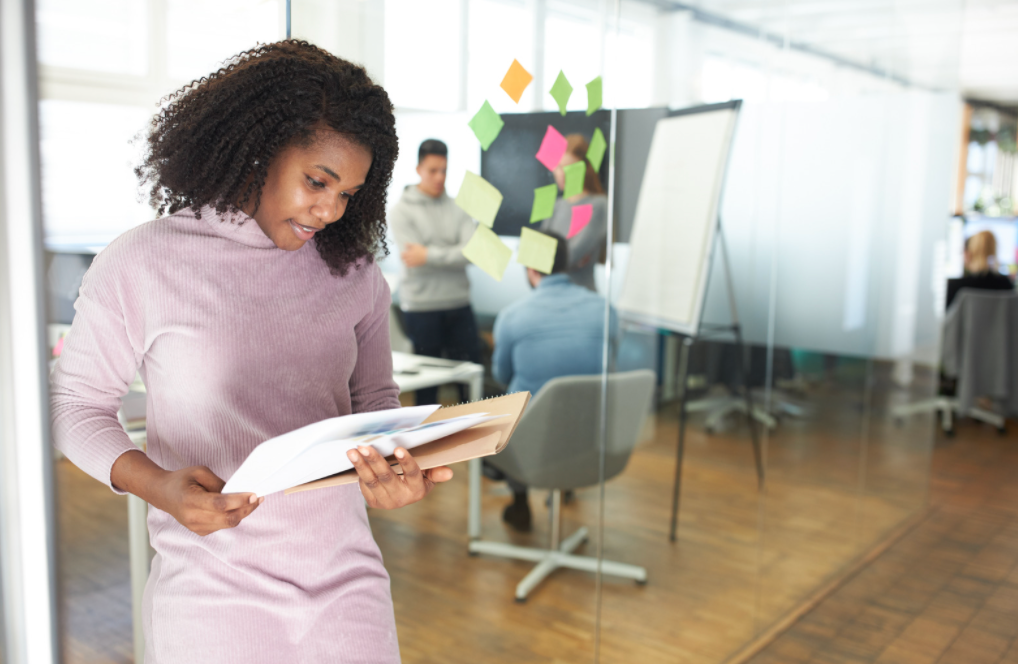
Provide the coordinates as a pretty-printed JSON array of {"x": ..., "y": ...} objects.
[{"x": 516, "y": 80}]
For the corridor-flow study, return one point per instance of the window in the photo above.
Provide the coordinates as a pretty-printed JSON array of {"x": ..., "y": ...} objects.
[
  {"x": 422, "y": 54},
  {"x": 493, "y": 50},
  {"x": 200, "y": 35},
  {"x": 95, "y": 35},
  {"x": 90, "y": 192},
  {"x": 105, "y": 65}
]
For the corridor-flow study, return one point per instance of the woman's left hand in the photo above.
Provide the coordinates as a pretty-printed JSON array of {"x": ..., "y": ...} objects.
[{"x": 385, "y": 489}]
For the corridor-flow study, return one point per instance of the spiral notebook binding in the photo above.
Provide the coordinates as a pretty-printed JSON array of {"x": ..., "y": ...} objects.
[{"x": 497, "y": 396}]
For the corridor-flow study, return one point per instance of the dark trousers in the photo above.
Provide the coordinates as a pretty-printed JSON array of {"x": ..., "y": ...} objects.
[{"x": 450, "y": 334}]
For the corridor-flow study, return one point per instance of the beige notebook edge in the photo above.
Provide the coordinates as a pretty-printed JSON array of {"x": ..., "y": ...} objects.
[{"x": 479, "y": 441}]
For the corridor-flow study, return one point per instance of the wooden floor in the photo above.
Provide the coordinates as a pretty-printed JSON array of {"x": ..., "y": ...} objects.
[
  {"x": 947, "y": 592},
  {"x": 838, "y": 481}
]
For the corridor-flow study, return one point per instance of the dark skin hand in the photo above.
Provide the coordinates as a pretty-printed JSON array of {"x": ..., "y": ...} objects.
[
  {"x": 383, "y": 488},
  {"x": 192, "y": 495}
]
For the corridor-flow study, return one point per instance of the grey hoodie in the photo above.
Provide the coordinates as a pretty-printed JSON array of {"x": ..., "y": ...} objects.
[{"x": 441, "y": 226}]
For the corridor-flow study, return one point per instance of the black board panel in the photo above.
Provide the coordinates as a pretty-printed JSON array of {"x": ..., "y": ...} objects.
[{"x": 509, "y": 163}]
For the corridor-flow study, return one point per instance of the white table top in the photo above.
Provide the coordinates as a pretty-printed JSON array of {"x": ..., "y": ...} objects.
[{"x": 416, "y": 372}]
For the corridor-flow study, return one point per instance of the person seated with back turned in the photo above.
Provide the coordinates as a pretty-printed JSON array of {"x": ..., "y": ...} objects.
[
  {"x": 431, "y": 231},
  {"x": 980, "y": 267},
  {"x": 586, "y": 246},
  {"x": 557, "y": 331}
]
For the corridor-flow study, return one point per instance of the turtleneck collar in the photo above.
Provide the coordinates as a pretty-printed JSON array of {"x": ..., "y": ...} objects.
[{"x": 237, "y": 226}]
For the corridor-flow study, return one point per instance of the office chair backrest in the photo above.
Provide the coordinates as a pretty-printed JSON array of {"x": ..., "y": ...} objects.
[
  {"x": 556, "y": 445},
  {"x": 980, "y": 346}
]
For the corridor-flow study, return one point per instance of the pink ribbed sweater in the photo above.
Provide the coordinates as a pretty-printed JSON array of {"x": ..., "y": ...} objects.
[{"x": 237, "y": 341}]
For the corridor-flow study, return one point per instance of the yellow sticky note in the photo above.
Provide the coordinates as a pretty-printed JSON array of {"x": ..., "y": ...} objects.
[
  {"x": 479, "y": 198},
  {"x": 537, "y": 250},
  {"x": 516, "y": 81},
  {"x": 488, "y": 252}
]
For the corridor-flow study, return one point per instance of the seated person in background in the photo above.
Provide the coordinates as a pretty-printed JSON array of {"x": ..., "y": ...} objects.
[
  {"x": 586, "y": 246},
  {"x": 556, "y": 331},
  {"x": 434, "y": 293},
  {"x": 980, "y": 267}
]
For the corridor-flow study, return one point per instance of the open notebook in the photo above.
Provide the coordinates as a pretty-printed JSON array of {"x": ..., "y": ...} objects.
[
  {"x": 315, "y": 456},
  {"x": 482, "y": 439}
]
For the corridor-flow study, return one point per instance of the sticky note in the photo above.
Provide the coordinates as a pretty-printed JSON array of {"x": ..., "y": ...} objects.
[
  {"x": 552, "y": 148},
  {"x": 516, "y": 81},
  {"x": 544, "y": 203},
  {"x": 574, "y": 179},
  {"x": 593, "y": 95},
  {"x": 487, "y": 252},
  {"x": 595, "y": 153},
  {"x": 479, "y": 199},
  {"x": 581, "y": 217},
  {"x": 560, "y": 92},
  {"x": 537, "y": 250},
  {"x": 486, "y": 125}
]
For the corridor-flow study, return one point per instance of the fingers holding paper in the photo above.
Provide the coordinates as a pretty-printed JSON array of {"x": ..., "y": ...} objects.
[{"x": 384, "y": 488}]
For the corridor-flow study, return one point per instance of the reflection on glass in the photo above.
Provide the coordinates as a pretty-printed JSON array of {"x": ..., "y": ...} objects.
[{"x": 95, "y": 35}]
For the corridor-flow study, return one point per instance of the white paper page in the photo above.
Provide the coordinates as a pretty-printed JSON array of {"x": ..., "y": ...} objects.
[
  {"x": 276, "y": 452},
  {"x": 329, "y": 458}
]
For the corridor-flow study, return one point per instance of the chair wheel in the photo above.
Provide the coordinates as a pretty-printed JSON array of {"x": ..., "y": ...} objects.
[
  {"x": 899, "y": 422},
  {"x": 1002, "y": 431},
  {"x": 521, "y": 600},
  {"x": 709, "y": 431},
  {"x": 949, "y": 432},
  {"x": 473, "y": 554},
  {"x": 641, "y": 583}
]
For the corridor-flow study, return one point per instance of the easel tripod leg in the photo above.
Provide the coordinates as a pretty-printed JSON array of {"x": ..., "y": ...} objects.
[{"x": 680, "y": 451}]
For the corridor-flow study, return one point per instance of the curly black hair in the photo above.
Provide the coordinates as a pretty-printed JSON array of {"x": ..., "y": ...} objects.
[{"x": 213, "y": 141}]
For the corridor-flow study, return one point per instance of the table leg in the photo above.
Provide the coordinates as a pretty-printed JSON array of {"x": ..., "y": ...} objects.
[
  {"x": 137, "y": 511},
  {"x": 474, "y": 525},
  {"x": 474, "y": 518}
]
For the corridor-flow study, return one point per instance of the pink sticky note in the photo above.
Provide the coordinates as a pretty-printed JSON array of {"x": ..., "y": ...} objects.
[
  {"x": 552, "y": 148},
  {"x": 59, "y": 347},
  {"x": 581, "y": 217}
]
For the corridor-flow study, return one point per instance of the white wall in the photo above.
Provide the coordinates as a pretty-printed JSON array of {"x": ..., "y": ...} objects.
[{"x": 831, "y": 214}]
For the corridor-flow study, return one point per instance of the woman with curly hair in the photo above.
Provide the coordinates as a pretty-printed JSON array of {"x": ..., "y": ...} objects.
[{"x": 252, "y": 308}]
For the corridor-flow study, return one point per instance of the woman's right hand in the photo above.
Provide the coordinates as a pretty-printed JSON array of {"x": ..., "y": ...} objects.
[{"x": 193, "y": 496}]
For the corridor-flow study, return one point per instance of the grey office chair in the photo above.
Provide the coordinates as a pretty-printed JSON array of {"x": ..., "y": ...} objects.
[
  {"x": 556, "y": 447},
  {"x": 978, "y": 348}
]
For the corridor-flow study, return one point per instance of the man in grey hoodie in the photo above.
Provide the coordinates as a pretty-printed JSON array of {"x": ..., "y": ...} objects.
[{"x": 434, "y": 293}]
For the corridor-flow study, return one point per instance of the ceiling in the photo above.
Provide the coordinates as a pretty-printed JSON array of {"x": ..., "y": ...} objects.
[{"x": 965, "y": 45}]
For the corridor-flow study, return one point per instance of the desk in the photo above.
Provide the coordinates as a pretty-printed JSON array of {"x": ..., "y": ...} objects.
[
  {"x": 411, "y": 372},
  {"x": 432, "y": 372}
]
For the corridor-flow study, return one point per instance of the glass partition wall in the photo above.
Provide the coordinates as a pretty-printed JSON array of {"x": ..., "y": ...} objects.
[{"x": 832, "y": 189}]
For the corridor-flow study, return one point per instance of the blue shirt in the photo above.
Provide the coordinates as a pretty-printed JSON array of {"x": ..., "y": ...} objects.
[{"x": 557, "y": 331}]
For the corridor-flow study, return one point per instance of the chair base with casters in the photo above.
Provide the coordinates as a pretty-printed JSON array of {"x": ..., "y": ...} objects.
[
  {"x": 562, "y": 442},
  {"x": 557, "y": 555},
  {"x": 720, "y": 407},
  {"x": 947, "y": 407}
]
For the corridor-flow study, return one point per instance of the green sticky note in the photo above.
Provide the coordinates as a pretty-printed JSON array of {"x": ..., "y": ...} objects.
[
  {"x": 574, "y": 179},
  {"x": 486, "y": 125},
  {"x": 488, "y": 252},
  {"x": 560, "y": 92},
  {"x": 544, "y": 202},
  {"x": 537, "y": 250},
  {"x": 595, "y": 153},
  {"x": 479, "y": 199},
  {"x": 593, "y": 95}
]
